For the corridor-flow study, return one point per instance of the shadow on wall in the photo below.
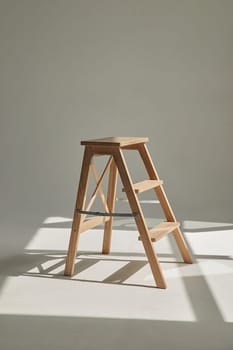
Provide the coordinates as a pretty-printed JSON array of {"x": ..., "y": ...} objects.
[{"x": 79, "y": 71}]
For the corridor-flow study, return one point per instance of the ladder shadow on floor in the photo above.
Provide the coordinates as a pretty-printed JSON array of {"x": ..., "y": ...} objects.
[
  {"x": 133, "y": 263},
  {"x": 129, "y": 225}
]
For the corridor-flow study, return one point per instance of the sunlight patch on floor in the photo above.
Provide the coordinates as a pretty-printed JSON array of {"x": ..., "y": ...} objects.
[{"x": 120, "y": 285}]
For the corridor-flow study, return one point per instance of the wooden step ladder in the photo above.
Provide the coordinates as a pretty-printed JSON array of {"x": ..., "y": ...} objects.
[{"x": 113, "y": 147}]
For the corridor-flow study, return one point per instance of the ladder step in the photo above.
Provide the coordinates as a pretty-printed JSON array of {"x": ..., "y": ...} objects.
[
  {"x": 91, "y": 223},
  {"x": 162, "y": 229},
  {"x": 145, "y": 185}
]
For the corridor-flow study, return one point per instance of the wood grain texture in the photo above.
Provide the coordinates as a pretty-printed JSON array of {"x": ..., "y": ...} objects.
[
  {"x": 139, "y": 219},
  {"x": 111, "y": 200},
  {"x": 113, "y": 146},
  {"x": 161, "y": 195},
  {"x": 80, "y": 202},
  {"x": 162, "y": 229},
  {"x": 145, "y": 185},
  {"x": 115, "y": 141}
]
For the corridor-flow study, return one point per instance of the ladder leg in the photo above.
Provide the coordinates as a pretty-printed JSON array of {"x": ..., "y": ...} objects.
[
  {"x": 140, "y": 221},
  {"x": 112, "y": 185},
  {"x": 165, "y": 203},
  {"x": 80, "y": 201},
  {"x": 184, "y": 251}
]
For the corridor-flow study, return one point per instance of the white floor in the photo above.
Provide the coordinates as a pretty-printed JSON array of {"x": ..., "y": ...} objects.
[{"x": 111, "y": 302}]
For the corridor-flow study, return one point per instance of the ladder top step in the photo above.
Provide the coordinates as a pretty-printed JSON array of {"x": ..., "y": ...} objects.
[
  {"x": 162, "y": 229},
  {"x": 116, "y": 141},
  {"x": 145, "y": 185}
]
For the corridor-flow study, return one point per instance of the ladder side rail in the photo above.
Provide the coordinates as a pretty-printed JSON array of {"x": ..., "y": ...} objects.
[
  {"x": 77, "y": 217},
  {"x": 168, "y": 212},
  {"x": 145, "y": 155},
  {"x": 111, "y": 200},
  {"x": 139, "y": 219}
]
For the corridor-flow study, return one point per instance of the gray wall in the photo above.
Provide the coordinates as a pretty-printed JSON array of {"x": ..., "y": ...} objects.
[{"x": 71, "y": 70}]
